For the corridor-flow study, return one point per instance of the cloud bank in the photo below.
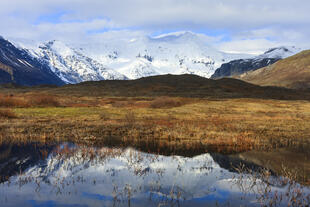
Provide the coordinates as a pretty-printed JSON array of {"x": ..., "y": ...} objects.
[{"x": 238, "y": 25}]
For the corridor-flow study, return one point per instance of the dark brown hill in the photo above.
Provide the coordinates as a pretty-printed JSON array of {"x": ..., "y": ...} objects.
[{"x": 180, "y": 85}]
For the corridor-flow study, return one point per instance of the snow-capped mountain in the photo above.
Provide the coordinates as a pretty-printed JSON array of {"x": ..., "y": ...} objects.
[
  {"x": 134, "y": 57},
  {"x": 238, "y": 67},
  {"x": 279, "y": 52},
  {"x": 138, "y": 68},
  {"x": 175, "y": 53},
  {"x": 19, "y": 67},
  {"x": 72, "y": 66},
  {"x": 131, "y": 57}
]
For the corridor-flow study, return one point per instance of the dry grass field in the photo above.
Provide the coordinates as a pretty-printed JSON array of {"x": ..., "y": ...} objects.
[{"x": 226, "y": 125}]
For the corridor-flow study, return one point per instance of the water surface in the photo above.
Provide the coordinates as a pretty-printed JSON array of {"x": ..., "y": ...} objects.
[{"x": 67, "y": 174}]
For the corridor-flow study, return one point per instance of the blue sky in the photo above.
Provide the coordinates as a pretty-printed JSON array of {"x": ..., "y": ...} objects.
[{"x": 232, "y": 25}]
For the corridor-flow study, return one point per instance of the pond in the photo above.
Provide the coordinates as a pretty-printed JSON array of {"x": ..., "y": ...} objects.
[{"x": 68, "y": 174}]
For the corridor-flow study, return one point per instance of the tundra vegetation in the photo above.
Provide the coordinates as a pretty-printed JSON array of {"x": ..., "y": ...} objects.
[{"x": 163, "y": 123}]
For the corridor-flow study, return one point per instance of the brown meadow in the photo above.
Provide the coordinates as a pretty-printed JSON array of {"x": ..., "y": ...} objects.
[{"x": 226, "y": 125}]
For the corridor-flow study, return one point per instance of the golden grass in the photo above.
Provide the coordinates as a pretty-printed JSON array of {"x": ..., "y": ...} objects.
[
  {"x": 7, "y": 114},
  {"x": 167, "y": 102},
  {"x": 231, "y": 125}
]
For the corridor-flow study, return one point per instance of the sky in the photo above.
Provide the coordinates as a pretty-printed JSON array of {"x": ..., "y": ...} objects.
[{"x": 247, "y": 26}]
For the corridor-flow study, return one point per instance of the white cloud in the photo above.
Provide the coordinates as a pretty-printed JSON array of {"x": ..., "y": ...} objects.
[
  {"x": 249, "y": 23},
  {"x": 252, "y": 46}
]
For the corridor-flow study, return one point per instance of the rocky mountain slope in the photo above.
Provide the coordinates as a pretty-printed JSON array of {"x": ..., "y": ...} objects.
[
  {"x": 237, "y": 67},
  {"x": 292, "y": 72},
  {"x": 19, "y": 67}
]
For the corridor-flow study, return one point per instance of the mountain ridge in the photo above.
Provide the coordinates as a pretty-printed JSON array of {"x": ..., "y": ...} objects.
[
  {"x": 19, "y": 67},
  {"x": 240, "y": 66},
  {"x": 292, "y": 72},
  {"x": 132, "y": 57},
  {"x": 72, "y": 66}
]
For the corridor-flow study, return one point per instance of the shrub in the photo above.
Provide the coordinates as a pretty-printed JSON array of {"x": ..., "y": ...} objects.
[
  {"x": 104, "y": 116},
  {"x": 166, "y": 102},
  {"x": 130, "y": 118},
  {"x": 10, "y": 101},
  {"x": 44, "y": 100},
  {"x": 7, "y": 113},
  {"x": 120, "y": 104}
]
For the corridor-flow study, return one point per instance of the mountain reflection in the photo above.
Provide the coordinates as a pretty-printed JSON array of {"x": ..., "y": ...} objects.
[{"x": 73, "y": 175}]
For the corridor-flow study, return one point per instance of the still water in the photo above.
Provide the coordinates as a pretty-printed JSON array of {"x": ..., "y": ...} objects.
[{"x": 67, "y": 174}]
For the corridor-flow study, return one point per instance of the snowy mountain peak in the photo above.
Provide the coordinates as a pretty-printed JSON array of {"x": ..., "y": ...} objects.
[
  {"x": 72, "y": 66},
  {"x": 20, "y": 67},
  {"x": 174, "y": 53},
  {"x": 186, "y": 37},
  {"x": 141, "y": 67},
  {"x": 132, "y": 57},
  {"x": 280, "y": 52},
  {"x": 176, "y": 35},
  {"x": 60, "y": 48}
]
